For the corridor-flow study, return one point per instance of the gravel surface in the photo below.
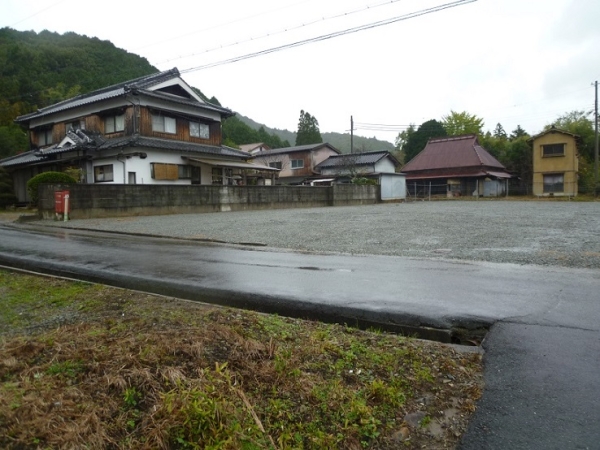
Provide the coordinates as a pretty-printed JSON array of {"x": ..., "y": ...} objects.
[{"x": 552, "y": 233}]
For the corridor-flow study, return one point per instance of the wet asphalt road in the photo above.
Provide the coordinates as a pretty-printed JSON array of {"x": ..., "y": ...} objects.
[{"x": 542, "y": 354}]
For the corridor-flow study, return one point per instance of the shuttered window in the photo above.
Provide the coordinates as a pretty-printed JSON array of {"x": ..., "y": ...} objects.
[{"x": 161, "y": 171}]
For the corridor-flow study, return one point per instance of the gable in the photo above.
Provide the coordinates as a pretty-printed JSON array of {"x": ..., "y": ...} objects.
[
  {"x": 177, "y": 87},
  {"x": 555, "y": 138}
]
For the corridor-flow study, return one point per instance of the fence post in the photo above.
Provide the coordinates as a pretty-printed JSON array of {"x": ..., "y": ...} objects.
[
  {"x": 415, "y": 190},
  {"x": 430, "y": 191}
]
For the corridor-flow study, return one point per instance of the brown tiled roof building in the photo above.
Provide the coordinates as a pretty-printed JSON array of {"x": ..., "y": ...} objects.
[{"x": 459, "y": 164}]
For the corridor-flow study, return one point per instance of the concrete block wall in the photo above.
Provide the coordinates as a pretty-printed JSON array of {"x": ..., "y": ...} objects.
[{"x": 115, "y": 200}]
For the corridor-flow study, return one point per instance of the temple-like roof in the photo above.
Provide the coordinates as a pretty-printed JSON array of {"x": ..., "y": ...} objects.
[{"x": 159, "y": 85}]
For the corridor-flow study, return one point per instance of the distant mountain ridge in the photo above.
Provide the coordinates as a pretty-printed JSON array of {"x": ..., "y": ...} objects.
[{"x": 341, "y": 141}]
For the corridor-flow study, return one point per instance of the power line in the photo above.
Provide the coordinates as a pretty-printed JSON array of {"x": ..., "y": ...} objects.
[
  {"x": 331, "y": 35},
  {"x": 37, "y": 13},
  {"x": 285, "y": 30},
  {"x": 218, "y": 26}
]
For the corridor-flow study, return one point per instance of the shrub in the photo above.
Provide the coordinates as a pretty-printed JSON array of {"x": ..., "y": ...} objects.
[
  {"x": 364, "y": 181},
  {"x": 46, "y": 177},
  {"x": 7, "y": 196}
]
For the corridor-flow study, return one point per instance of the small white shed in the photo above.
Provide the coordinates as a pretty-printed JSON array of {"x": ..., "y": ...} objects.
[{"x": 393, "y": 186}]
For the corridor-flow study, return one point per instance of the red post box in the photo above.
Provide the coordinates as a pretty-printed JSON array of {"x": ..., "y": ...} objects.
[
  {"x": 59, "y": 202},
  {"x": 62, "y": 205}
]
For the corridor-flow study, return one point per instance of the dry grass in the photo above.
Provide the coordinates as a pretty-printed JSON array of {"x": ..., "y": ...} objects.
[{"x": 84, "y": 366}]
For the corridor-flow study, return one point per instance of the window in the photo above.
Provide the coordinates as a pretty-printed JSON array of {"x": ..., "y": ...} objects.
[
  {"x": 297, "y": 163},
  {"x": 76, "y": 125},
  {"x": 161, "y": 171},
  {"x": 199, "y": 130},
  {"x": 185, "y": 172},
  {"x": 275, "y": 165},
  {"x": 554, "y": 183},
  {"x": 163, "y": 124},
  {"x": 553, "y": 150},
  {"x": 217, "y": 175},
  {"x": 44, "y": 137},
  {"x": 103, "y": 173},
  {"x": 113, "y": 124}
]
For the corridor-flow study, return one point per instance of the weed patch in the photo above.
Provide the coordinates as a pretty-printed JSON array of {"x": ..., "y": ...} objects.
[{"x": 129, "y": 370}]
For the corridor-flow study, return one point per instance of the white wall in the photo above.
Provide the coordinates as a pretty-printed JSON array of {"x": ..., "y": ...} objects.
[
  {"x": 143, "y": 168},
  {"x": 385, "y": 166}
]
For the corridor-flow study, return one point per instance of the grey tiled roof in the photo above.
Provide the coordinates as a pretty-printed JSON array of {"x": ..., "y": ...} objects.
[
  {"x": 23, "y": 158},
  {"x": 141, "y": 85},
  {"x": 167, "y": 144},
  {"x": 299, "y": 148},
  {"x": 357, "y": 159},
  {"x": 98, "y": 143}
]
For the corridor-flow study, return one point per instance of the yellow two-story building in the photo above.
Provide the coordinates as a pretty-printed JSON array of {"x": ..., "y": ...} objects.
[{"x": 555, "y": 163}]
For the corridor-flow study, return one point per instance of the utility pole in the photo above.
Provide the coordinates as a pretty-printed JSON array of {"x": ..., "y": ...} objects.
[
  {"x": 352, "y": 135},
  {"x": 596, "y": 140}
]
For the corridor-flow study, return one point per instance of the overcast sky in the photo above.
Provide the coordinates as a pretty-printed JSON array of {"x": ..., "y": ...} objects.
[{"x": 514, "y": 62}]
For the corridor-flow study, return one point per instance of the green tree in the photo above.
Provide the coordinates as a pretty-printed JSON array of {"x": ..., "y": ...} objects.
[
  {"x": 236, "y": 132},
  {"x": 499, "y": 132},
  {"x": 13, "y": 140},
  {"x": 518, "y": 159},
  {"x": 459, "y": 123},
  {"x": 495, "y": 144},
  {"x": 517, "y": 133},
  {"x": 401, "y": 142},
  {"x": 417, "y": 140},
  {"x": 308, "y": 130}
]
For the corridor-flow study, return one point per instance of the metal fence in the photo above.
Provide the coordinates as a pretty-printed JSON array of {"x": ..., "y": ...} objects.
[
  {"x": 436, "y": 190},
  {"x": 427, "y": 190}
]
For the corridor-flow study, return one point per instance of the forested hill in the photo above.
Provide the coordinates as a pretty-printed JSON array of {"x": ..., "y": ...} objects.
[{"x": 40, "y": 69}]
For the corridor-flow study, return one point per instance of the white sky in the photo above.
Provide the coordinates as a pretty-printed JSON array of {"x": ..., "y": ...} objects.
[{"x": 517, "y": 62}]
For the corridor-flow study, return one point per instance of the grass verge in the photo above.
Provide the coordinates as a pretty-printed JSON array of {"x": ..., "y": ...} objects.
[{"x": 88, "y": 366}]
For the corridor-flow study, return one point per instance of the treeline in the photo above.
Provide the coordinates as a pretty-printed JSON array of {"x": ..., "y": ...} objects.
[{"x": 236, "y": 132}]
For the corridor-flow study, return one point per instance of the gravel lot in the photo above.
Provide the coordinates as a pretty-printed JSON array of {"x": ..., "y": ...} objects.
[{"x": 552, "y": 233}]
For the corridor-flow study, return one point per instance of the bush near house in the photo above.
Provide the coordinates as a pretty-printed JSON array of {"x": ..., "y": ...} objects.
[
  {"x": 46, "y": 177},
  {"x": 364, "y": 181}
]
